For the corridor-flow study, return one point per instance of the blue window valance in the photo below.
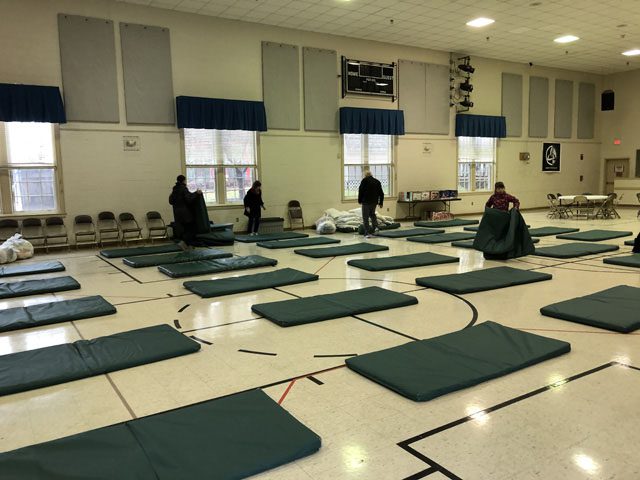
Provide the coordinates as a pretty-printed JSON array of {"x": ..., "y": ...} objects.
[
  {"x": 31, "y": 103},
  {"x": 371, "y": 120},
  {"x": 221, "y": 114},
  {"x": 480, "y": 126}
]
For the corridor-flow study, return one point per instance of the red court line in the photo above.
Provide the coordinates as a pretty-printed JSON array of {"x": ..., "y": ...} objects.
[
  {"x": 328, "y": 262},
  {"x": 286, "y": 392}
]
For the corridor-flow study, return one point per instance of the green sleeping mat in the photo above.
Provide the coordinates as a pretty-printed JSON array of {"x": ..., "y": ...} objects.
[
  {"x": 204, "y": 267},
  {"x": 248, "y": 283},
  {"x": 42, "y": 367},
  {"x": 54, "y": 312},
  {"x": 269, "y": 236},
  {"x": 300, "y": 242},
  {"x": 549, "y": 231},
  {"x": 136, "y": 251},
  {"x": 31, "y": 269},
  {"x": 572, "y": 250},
  {"x": 443, "y": 237},
  {"x": 630, "y": 243},
  {"x": 426, "y": 369},
  {"x": 616, "y": 309},
  {"x": 381, "y": 227},
  {"x": 299, "y": 311},
  {"x": 475, "y": 229},
  {"x": 594, "y": 235},
  {"x": 36, "y": 287},
  {"x": 402, "y": 261},
  {"x": 409, "y": 232},
  {"x": 469, "y": 243},
  {"x": 344, "y": 250},
  {"x": 503, "y": 235},
  {"x": 456, "y": 222},
  {"x": 180, "y": 257},
  {"x": 216, "y": 238},
  {"x": 481, "y": 280},
  {"x": 231, "y": 437},
  {"x": 632, "y": 260}
]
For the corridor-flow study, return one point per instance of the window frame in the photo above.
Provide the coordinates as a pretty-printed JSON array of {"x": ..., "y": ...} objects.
[
  {"x": 472, "y": 173},
  {"x": 220, "y": 182},
  {"x": 392, "y": 191},
  {"x": 6, "y": 192}
]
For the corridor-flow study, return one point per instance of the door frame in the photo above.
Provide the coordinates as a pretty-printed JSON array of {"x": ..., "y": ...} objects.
[{"x": 606, "y": 161}]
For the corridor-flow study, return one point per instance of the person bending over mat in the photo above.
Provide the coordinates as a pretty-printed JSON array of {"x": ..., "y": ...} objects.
[
  {"x": 501, "y": 199},
  {"x": 183, "y": 202},
  {"x": 370, "y": 194},
  {"x": 252, "y": 205}
]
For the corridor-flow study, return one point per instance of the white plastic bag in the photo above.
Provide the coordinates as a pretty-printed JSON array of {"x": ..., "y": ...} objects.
[
  {"x": 7, "y": 255},
  {"x": 23, "y": 248},
  {"x": 325, "y": 225}
]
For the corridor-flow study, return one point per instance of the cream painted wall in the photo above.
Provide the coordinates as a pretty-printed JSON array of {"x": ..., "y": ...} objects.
[{"x": 220, "y": 58}]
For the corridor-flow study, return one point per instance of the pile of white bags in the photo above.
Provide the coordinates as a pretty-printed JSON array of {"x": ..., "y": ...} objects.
[
  {"x": 325, "y": 225},
  {"x": 345, "y": 221},
  {"x": 16, "y": 248}
]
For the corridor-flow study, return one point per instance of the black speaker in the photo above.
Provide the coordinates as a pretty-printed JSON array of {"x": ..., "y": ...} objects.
[{"x": 608, "y": 100}]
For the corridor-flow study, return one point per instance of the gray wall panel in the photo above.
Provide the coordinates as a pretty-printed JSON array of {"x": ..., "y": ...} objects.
[
  {"x": 438, "y": 110},
  {"x": 281, "y": 85},
  {"x": 320, "y": 89},
  {"x": 146, "y": 65},
  {"x": 586, "y": 109},
  {"x": 88, "y": 61},
  {"x": 412, "y": 95},
  {"x": 563, "y": 122},
  {"x": 512, "y": 103},
  {"x": 538, "y": 107}
]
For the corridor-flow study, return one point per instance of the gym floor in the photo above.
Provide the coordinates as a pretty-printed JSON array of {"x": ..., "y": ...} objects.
[{"x": 573, "y": 417}]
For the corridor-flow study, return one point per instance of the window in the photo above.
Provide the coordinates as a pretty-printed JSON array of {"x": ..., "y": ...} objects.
[
  {"x": 28, "y": 168},
  {"x": 367, "y": 152},
  {"x": 221, "y": 163},
  {"x": 476, "y": 163}
]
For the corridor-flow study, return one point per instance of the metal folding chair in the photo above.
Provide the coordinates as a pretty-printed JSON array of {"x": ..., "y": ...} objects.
[
  {"x": 108, "y": 228},
  {"x": 55, "y": 233},
  {"x": 33, "y": 231},
  {"x": 129, "y": 227},
  {"x": 156, "y": 227},
  {"x": 84, "y": 230},
  {"x": 8, "y": 228},
  {"x": 295, "y": 213}
]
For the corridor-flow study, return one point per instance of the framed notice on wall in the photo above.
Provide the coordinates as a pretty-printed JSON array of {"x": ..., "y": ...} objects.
[{"x": 551, "y": 157}]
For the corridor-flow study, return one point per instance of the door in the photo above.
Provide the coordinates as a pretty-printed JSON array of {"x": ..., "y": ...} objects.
[{"x": 614, "y": 168}]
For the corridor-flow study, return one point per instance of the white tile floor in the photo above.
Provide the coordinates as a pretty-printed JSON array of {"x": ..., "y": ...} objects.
[{"x": 586, "y": 428}]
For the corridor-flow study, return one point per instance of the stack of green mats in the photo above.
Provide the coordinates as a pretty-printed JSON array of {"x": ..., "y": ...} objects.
[
  {"x": 594, "y": 235},
  {"x": 443, "y": 237},
  {"x": 402, "y": 261},
  {"x": 475, "y": 229},
  {"x": 36, "y": 287},
  {"x": 248, "y": 283},
  {"x": 469, "y": 243},
  {"x": 169, "y": 258},
  {"x": 227, "y": 438},
  {"x": 216, "y": 238},
  {"x": 409, "y": 232},
  {"x": 381, "y": 227},
  {"x": 548, "y": 231},
  {"x": 456, "y": 222},
  {"x": 503, "y": 235},
  {"x": 264, "y": 237},
  {"x": 616, "y": 309},
  {"x": 427, "y": 369},
  {"x": 54, "y": 312},
  {"x": 345, "y": 250},
  {"x": 31, "y": 269},
  {"x": 630, "y": 243},
  {"x": 481, "y": 280},
  {"x": 47, "y": 366},
  {"x": 334, "y": 305},
  {"x": 136, "y": 251},
  {"x": 572, "y": 250},
  {"x": 204, "y": 267},
  {"x": 301, "y": 242},
  {"x": 632, "y": 260}
]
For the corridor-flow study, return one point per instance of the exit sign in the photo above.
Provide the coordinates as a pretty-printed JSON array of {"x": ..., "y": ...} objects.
[{"x": 617, "y": 141}]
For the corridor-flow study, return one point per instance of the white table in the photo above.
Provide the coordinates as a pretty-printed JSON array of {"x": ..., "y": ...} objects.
[{"x": 590, "y": 198}]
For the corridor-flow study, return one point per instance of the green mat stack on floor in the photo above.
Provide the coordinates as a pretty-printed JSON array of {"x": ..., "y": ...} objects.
[
  {"x": 503, "y": 235},
  {"x": 205, "y": 267},
  {"x": 171, "y": 258}
]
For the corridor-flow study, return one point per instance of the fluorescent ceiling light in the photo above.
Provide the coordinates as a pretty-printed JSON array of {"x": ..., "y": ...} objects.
[
  {"x": 566, "y": 39},
  {"x": 480, "y": 22},
  {"x": 631, "y": 53}
]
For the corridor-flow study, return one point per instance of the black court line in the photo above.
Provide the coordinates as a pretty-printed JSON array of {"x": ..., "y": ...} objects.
[
  {"x": 221, "y": 325},
  {"x": 422, "y": 474},
  {"x": 140, "y": 301},
  {"x": 184, "y": 308},
  {"x": 169, "y": 295},
  {"x": 286, "y": 293},
  {"x": 384, "y": 328},
  {"x": 120, "y": 270},
  {"x": 337, "y": 355},
  {"x": 257, "y": 353},
  {"x": 315, "y": 380},
  {"x": 177, "y": 323},
  {"x": 406, "y": 444},
  {"x": 200, "y": 340}
]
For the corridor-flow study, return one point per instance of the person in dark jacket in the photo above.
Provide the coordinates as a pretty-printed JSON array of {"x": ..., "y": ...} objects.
[
  {"x": 183, "y": 202},
  {"x": 252, "y": 205},
  {"x": 501, "y": 199},
  {"x": 370, "y": 194}
]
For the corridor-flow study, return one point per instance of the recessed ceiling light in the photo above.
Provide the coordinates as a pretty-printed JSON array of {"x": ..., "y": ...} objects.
[
  {"x": 480, "y": 22},
  {"x": 566, "y": 39},
  {"x": 631, "y": 53}
]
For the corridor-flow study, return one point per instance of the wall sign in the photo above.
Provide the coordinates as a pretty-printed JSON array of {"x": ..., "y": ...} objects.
[{"x": 551, "y": 157}]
